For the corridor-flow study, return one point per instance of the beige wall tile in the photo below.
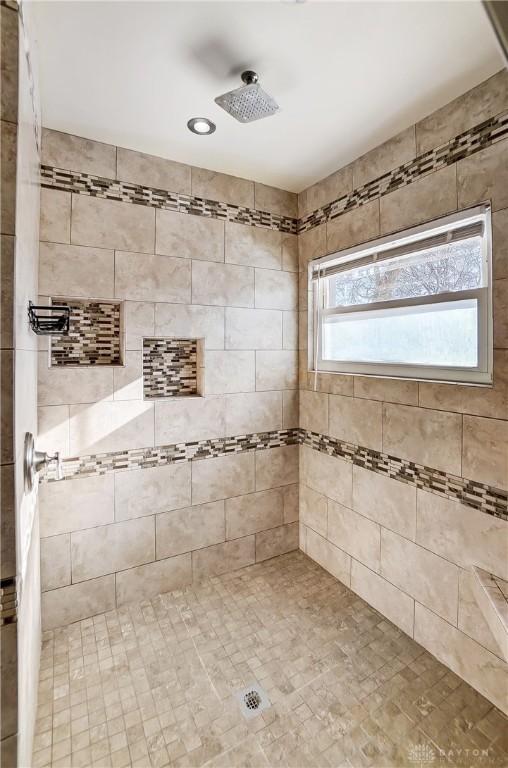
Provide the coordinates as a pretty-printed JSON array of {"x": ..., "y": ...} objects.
[
  {"x": 311, "y": 245},
  {"x": 290, "y": 406},
  {"x": 112, "y": 224},
  {"x": 476, "y": 665},
  {"x": 500, "y": 298},
  {"x": 63, "y": 150},
  {"x": 7, "y": 243},
  {"x": 430, "y": 579},
  {"x": 314, "y": 411},
  {"x": 254, "y": 512},
  {"x": 61, "y": 607},
  {"x": 65, "y": 385},
  {"x": 222, "y": 558},
  {"x": 223, "y": 477},
  {"x": 7, "y": 522},
  {"x": 109, "y": 548},
  {"x": 484, "y": 176},
  {"x": 253, "y": 246},
  {"x": 230, "y": 371},
  {"x": 110, "y": 426},
  {"x": 8, "y": 177},
  {"x": 332, "y": 187},
  {"x": 152, "y": 171},
  {"x": 188, "y": 236},
  {"x": 138, "y": 322},
  {"x": 480, "y": 401},
  {"x": 276, "y": 467},
  {"x": 291, "y": 503},
  {"x": 276, "y": 290},
  {"x": 71, "y": 505},
  {"x": 253, "y": 412},
  {"x": 471, "y": 619},
  {"x": 398, "y": 150},
  {"x": 128, "y": 379},
  {"x": 147, "y": 581},
  {"x": 354, "y": 227},
  {"x": 461, "y": 534},
  {"x": 423, "y": 200},
  {"x": 500, "y": 243},
  {"x": 427, "y": 437},
  {"x": 253, "y": 329},
  {"x": 354, "y": 534},
  {"x": 356, "y": 421},
  {"x": 73, "y": 270},
  {"x": 485, "y": 100},
  {"x": 277, "y": 369},
  {"x": 55, "y": 562},
  {"x": 485, "y": 451},
  {"x": 383, "y": 596},
  {"x": 222, "y": 284},
  {"x": 290, "y": 330},
  {"x": 141, "y": 277},
  {"x": 55, "y": 224},
  {"x": 326, "y": 474},
  {"x": 290, "y": 253},
  {"x": 194, "y": 321},
  {"x": 387, "y": 501},
  {"x": 329, "y": 557},
  {"x": 11, "y": 669},
  {"x": 183, "y": 530},
  {"x": 143, "y": 492},
  {"x": 313, "y": 510},
  {"x": 334, "y": 383},
  {"x": 389, "y": 390},
  {"x": 179, "y": 420},
  {"x": 275, "y": 200},
  {"x": 276, "y": 542},
  {"x": 220, "y": 186},
  {"x": 10, "y": 79},
  {"x": 53, "y": 429}
]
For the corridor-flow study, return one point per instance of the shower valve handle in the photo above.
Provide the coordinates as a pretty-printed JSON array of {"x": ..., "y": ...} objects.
[{"x": 42, "y": 459}]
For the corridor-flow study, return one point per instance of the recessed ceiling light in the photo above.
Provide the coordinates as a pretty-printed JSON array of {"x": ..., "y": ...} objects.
[{"x": 201, "y": 125}]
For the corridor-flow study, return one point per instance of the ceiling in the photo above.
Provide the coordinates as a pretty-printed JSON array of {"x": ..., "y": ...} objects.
[{"x": 347, "y": 76}]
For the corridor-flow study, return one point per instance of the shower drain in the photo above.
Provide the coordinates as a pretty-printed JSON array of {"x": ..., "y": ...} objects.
[{"x": 252, "y": 700}]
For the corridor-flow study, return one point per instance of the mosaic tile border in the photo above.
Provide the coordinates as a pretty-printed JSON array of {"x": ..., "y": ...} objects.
[
  {"x": 464, "y": 145},
  {"x": 143, "y": 458},
  {"x": 485, "y": 498},
  {"x": 110, "y": 189},
  {"x": 8, "y": 601},
  {"x": 480, "y": 496}
]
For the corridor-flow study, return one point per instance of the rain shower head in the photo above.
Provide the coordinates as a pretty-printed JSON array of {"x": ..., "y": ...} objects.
[{"x": 249, "y": 102}]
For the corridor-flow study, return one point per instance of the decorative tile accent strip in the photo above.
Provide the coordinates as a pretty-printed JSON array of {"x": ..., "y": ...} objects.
[
  {"x": 170, "y": 367},
  {"x": 142, "y": 458},
  {"x": 465, "y": 144},
  {"x": 8, "y": 601},
  {"x": 94, "y": 335},
  {"x": 110, "y": 189},
  {"x": 485, "y": 498}
]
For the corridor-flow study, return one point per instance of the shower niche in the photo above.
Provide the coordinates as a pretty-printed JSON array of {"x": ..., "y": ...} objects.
[
  {"x": 172, "y": 367},
  {"x": 95, "y": 336}
]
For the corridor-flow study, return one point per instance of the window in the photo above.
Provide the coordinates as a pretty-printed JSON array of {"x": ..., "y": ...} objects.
[{"x": 416, "y": 305}]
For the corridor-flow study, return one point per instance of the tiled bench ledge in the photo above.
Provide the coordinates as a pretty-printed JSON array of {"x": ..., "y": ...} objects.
[{"x": 491, "y": 594}]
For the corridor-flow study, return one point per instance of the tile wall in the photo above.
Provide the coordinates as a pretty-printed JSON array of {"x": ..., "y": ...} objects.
[
  {"x": 408, "y": 550},
  {"x": 196, "y": 256}
]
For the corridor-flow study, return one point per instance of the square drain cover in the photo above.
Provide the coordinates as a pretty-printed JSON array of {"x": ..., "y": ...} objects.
[{"x": 252, "y": 700}]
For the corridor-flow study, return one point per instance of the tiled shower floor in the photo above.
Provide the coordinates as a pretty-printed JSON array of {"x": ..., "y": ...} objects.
[{"x": 152, "y": 684}]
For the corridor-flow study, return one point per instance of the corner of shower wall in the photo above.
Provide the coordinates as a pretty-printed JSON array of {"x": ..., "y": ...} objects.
[{"x": 378, "y": 455}]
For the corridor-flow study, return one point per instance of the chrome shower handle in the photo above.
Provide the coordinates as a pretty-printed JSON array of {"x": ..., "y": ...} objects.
[{"x": 35, "y": 461}]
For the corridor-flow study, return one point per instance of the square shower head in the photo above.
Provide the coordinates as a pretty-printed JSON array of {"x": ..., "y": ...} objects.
[{"x": 249, "y": 102}]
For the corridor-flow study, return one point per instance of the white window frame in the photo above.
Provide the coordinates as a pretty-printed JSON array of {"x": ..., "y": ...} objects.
[{"x": 480, "y": 375}]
